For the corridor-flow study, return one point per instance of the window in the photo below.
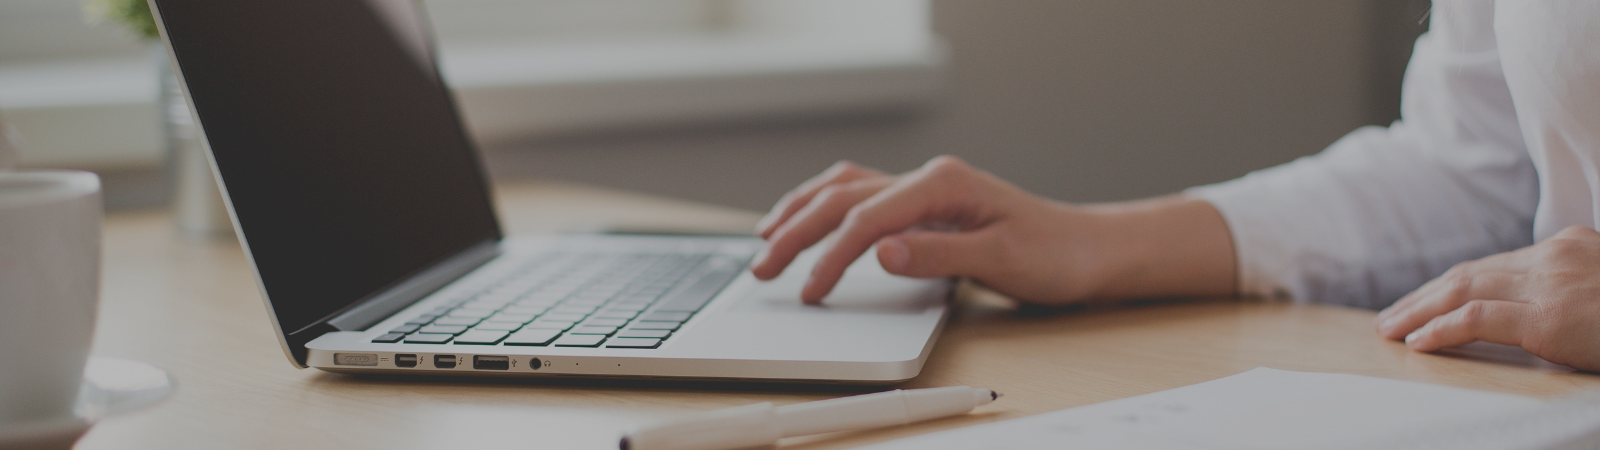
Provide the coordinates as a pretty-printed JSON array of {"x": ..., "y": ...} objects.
[{"x": 84, "y": 96}]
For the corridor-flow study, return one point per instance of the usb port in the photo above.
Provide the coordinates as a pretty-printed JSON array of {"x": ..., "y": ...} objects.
[
  {"x": 491, "y": 363},
  {"x": 444, "y": 361},
  {"x": 405, "y": 360}
]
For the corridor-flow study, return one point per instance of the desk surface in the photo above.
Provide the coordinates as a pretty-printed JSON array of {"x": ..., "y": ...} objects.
[{"x": 193, "y": 309}]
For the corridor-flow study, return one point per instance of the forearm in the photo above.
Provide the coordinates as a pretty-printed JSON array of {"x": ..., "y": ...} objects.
[
  {"x": 1019, "y": 244},
  {"x": 1172, "y": 246}
]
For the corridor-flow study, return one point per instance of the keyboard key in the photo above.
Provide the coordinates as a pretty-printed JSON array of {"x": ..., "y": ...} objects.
[
  {"x": 654, "y": 325},
  {"x": 551, "y": 324},
  {"x": 592, "y": 303},
  {"x": 605, "y": 322},
  {"x": 594, "y": 330},
  {"x": 568, "y": 308},
  {"x": 407, "y": 328},
  {"x": 480, "y": 337},
  {"x": 562, "y": 317},
  {"x": 523, "y": 283},
  {"x": 506, "y": 290},
  {"x": 524, "y": 310},
  {"x": 637, "y": 333},
  {"x": 698, "y": 294},
  {"x": 501, "y": 326},
  {"x": 503, "y": 317},
  {"x": 497, "y": 296},
  {"x": 443, "y": 329},
  {"x": 606, "y": 291},
  {"x": 422, "y": 319},
  {"x": 616, "y": 314},
  {"x": 474, "y": 313},
  {"x": 645, "y": 295},
  {"x": 535, "y": 303},
  {"x": 389, "y": 338},
  {"x": 580, "y": 340},
  {"x": 633, "y": 343},
  {"x": 666, "y": 316},
  {"x": 592, "y": 295},
  {"x": 428, "y": 338},
  {"x": 532, "y": 337},
  {"x": 482, "y": 304},
  {"x": 461, "y": 321},
  {"x": 543, "y": 297},
  {"x": 627, "y": 307}
]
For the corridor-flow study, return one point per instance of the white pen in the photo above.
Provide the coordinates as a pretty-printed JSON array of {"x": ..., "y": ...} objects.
[{"x": 762, "y": 424}]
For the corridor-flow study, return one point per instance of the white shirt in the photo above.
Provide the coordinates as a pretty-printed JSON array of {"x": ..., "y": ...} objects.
[{"x": 1498, "y": 147}]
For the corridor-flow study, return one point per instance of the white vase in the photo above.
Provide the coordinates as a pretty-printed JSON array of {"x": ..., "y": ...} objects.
[{"x": 197, "y": 208}]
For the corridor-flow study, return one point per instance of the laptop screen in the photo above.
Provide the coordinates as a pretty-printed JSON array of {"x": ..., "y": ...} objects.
[{"x": 339, "y": 147}]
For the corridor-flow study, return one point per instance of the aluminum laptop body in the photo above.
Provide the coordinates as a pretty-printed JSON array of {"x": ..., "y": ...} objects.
[{"x": 367, "y": 218}]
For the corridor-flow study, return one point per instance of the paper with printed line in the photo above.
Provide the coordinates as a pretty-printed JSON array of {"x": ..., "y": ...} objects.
[{"x": 1278, "y": 409}]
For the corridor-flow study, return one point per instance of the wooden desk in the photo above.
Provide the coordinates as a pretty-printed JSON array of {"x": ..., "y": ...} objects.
[{"x": 193, "y": 309}]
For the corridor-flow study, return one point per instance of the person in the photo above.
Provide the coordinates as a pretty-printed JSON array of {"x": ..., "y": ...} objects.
[{"x": 1434, "y": 218}]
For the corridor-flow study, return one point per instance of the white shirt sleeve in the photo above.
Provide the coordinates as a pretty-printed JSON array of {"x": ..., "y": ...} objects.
[
  {"x": 1551, "y": 59},
  {"x": 1385, "y": 209}
]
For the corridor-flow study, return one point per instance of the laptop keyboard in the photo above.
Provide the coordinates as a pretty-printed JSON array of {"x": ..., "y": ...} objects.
[{"x": 635, "y": 300}]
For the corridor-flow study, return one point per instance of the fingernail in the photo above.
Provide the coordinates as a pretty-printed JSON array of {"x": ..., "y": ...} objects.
[
  {"x": 761, "y": 257},
  {"x": 1387, "y": 324},
  {"x": 894, "y": 254},
  {"x": 805, "y": 292},
  {"x": 1412, "y": 338}
]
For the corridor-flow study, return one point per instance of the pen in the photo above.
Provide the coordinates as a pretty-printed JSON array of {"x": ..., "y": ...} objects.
[{"x": 762, "y": 424}]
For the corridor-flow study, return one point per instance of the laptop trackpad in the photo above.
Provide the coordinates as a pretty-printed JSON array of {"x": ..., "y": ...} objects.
[{"x": 866, "y": 288}]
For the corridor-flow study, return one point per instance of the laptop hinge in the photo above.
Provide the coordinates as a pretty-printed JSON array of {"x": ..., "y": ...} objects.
[{"x": 400, "y": 296}]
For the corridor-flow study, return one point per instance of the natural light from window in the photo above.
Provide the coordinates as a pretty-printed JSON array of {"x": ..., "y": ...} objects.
[{"x": 84, "y": 96}]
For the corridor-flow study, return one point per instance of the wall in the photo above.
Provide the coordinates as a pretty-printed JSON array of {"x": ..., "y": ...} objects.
[{"x": 1081, "y": 100}]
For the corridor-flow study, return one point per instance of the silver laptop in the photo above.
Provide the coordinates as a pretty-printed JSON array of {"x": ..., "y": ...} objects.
[{"x": 365, "y": 211}]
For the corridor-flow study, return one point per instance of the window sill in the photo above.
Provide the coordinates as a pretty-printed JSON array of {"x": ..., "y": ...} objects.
[{"x": 101, "y": 114}]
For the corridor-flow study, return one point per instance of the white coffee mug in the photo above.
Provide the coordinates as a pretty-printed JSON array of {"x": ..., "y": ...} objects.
[{"x": 49, "y": 290}]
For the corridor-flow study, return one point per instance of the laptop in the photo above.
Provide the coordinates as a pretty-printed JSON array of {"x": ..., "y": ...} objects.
[{"x": 364, "y": 209}]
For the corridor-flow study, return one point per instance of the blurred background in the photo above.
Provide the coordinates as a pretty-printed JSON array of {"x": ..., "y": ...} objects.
[{"x": 736, "y": 101}]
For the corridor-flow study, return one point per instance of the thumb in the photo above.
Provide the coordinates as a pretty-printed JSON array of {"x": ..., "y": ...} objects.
[{"x": 932, "y": 254}]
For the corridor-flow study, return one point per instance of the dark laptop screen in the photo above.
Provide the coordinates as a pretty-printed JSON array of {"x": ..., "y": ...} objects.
[{"x": 340, "y": 149}]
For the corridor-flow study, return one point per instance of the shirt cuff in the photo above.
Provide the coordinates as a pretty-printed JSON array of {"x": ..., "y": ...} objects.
[{"x": 1263, "y": 260}]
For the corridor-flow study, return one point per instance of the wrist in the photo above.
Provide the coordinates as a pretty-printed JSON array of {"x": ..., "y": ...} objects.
[{"x": 1167, "y": 246}]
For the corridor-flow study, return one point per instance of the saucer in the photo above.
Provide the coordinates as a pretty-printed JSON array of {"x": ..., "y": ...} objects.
[{"x": 111, "y": 386}]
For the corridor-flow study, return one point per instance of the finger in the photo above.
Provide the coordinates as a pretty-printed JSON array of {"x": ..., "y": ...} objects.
[
  {"x": 1451, "y": 292},
  {"x": 932, "y": 254},
  {"x": 1513, "y": 261},
  {"x": 791, "y": 202},
  {"x": 1497, "y": 321},
  {"x": 935, "y": 190},
  {"x": 1409, "y": 300},
  {"x": 812, "y": 223},
  {"x": 1434, "y": 288},
  {"x": 1444, "y": 283}
]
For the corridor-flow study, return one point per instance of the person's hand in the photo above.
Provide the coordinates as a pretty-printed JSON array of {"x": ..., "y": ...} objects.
[
  {"x": 999, "y": 235},
  {"x": 950, "y": 219},
  {"x": 1544, "y": 298}
]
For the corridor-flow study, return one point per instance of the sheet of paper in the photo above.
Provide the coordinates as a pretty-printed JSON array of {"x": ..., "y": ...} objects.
[{"x": 1259, "y": 409}]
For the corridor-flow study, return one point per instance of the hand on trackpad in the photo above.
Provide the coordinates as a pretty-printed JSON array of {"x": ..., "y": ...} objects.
[{"x": 866, "y": 287}]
